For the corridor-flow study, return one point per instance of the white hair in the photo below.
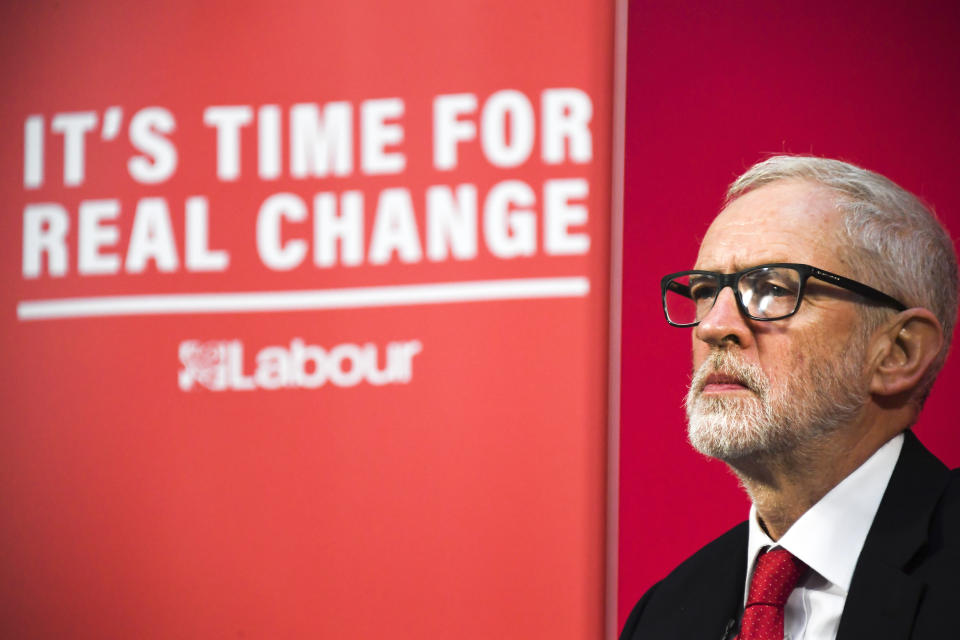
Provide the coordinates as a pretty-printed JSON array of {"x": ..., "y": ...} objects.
[{"x": 897, "y": 245}]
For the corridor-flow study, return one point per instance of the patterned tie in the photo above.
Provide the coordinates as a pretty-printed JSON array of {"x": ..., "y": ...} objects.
[{"x": 775, "y": 576}]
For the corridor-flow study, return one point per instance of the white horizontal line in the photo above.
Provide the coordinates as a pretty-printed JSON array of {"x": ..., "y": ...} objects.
[{"x": 348, "y": 298}]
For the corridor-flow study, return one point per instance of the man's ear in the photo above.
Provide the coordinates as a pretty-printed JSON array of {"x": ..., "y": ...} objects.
[{"x": 905, "y": 349}]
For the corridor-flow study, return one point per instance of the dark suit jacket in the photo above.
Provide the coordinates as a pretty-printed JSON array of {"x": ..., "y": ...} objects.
[{"x": 906, "y": 583}]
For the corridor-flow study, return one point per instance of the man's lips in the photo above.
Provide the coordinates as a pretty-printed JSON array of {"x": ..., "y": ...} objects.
[{"x": 719, "y": 383}]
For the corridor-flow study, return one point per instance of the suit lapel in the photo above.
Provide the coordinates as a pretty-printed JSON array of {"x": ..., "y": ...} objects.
[
  {"x": 699, "y": 598},
  {"x": 717, "y": 604},
  {"x": 883, "y": 599},
  {"x": 712, "y": 603}
]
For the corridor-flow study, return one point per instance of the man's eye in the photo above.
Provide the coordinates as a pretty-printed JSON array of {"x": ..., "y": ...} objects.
[
  {"x": 765, "y": 289},
  {"x": 702, "y": 291}
]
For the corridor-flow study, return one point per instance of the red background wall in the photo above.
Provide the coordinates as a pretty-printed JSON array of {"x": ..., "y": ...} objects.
[{"x": 711, "y": 89}]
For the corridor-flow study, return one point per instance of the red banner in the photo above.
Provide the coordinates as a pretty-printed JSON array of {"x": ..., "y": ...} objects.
[{"x": 306, "y": 319}]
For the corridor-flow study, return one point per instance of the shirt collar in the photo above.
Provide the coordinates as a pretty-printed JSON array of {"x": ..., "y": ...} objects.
[{"x": 829, "y": 536}]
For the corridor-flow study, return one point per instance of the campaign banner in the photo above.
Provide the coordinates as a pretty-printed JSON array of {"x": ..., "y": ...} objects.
[{"x": 305, "y": 319}]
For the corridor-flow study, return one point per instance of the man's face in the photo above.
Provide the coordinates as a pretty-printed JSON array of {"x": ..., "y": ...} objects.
[{"x": 769, "y": 387}]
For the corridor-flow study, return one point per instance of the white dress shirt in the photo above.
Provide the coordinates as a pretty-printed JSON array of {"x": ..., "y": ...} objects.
[{"x": 828, "y": 538}]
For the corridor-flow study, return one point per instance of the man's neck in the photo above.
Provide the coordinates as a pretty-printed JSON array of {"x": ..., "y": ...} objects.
[{"x": 784, "y": 486}]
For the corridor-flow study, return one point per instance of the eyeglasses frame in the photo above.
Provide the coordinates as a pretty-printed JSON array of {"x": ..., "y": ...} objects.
[{"x": 806, "y": 271}]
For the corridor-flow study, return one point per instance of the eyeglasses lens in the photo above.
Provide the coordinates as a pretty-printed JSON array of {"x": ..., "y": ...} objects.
[
  {"x": 689, "y": 297},
  {"x": 766, "y": 293},
  {"x": 770, "y": 292}
]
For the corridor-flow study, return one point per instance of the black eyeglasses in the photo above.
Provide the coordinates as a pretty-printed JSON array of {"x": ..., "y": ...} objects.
[{"x": 764, "y": 292}]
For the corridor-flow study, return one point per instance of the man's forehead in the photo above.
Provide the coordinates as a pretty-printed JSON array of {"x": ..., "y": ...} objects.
[{"x": 785, "y": 221}]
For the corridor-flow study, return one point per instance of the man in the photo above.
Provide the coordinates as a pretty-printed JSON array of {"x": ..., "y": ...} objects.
[{"x": 822, "y": 307}]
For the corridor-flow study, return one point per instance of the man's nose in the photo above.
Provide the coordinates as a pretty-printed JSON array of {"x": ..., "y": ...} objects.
[{"x": 724, "y": 322}]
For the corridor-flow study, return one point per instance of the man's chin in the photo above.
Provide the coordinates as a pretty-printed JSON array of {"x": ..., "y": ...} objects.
[
  {"x": 721, "y": 446},
  {"x": 730, "y": 438}
]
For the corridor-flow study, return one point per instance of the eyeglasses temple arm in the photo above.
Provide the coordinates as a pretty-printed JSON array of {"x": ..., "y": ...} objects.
[
  {"x": 859, "y": 288},
  {"x": 682, "y": 289}
]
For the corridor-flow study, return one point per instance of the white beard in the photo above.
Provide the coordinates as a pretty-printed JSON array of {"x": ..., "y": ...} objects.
[{"x": 814, "y": 401}]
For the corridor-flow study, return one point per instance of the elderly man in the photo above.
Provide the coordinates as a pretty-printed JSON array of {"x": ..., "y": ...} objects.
[{"x": 822, "y": 306}]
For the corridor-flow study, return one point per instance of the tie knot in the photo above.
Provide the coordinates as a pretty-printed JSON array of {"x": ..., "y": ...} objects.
[{"x": 775, "y": 576}]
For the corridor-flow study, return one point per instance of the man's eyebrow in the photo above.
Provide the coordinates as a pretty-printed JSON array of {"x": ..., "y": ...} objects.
[{"x": 739, "y": 266}]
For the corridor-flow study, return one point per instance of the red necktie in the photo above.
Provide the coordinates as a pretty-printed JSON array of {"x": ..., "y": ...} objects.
[{"x": 775, "y": 576}]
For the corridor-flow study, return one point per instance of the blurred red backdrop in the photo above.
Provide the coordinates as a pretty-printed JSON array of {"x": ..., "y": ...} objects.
[
  {"x": 711, "y": 89},
  {"x": 140, "y": 497}
]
